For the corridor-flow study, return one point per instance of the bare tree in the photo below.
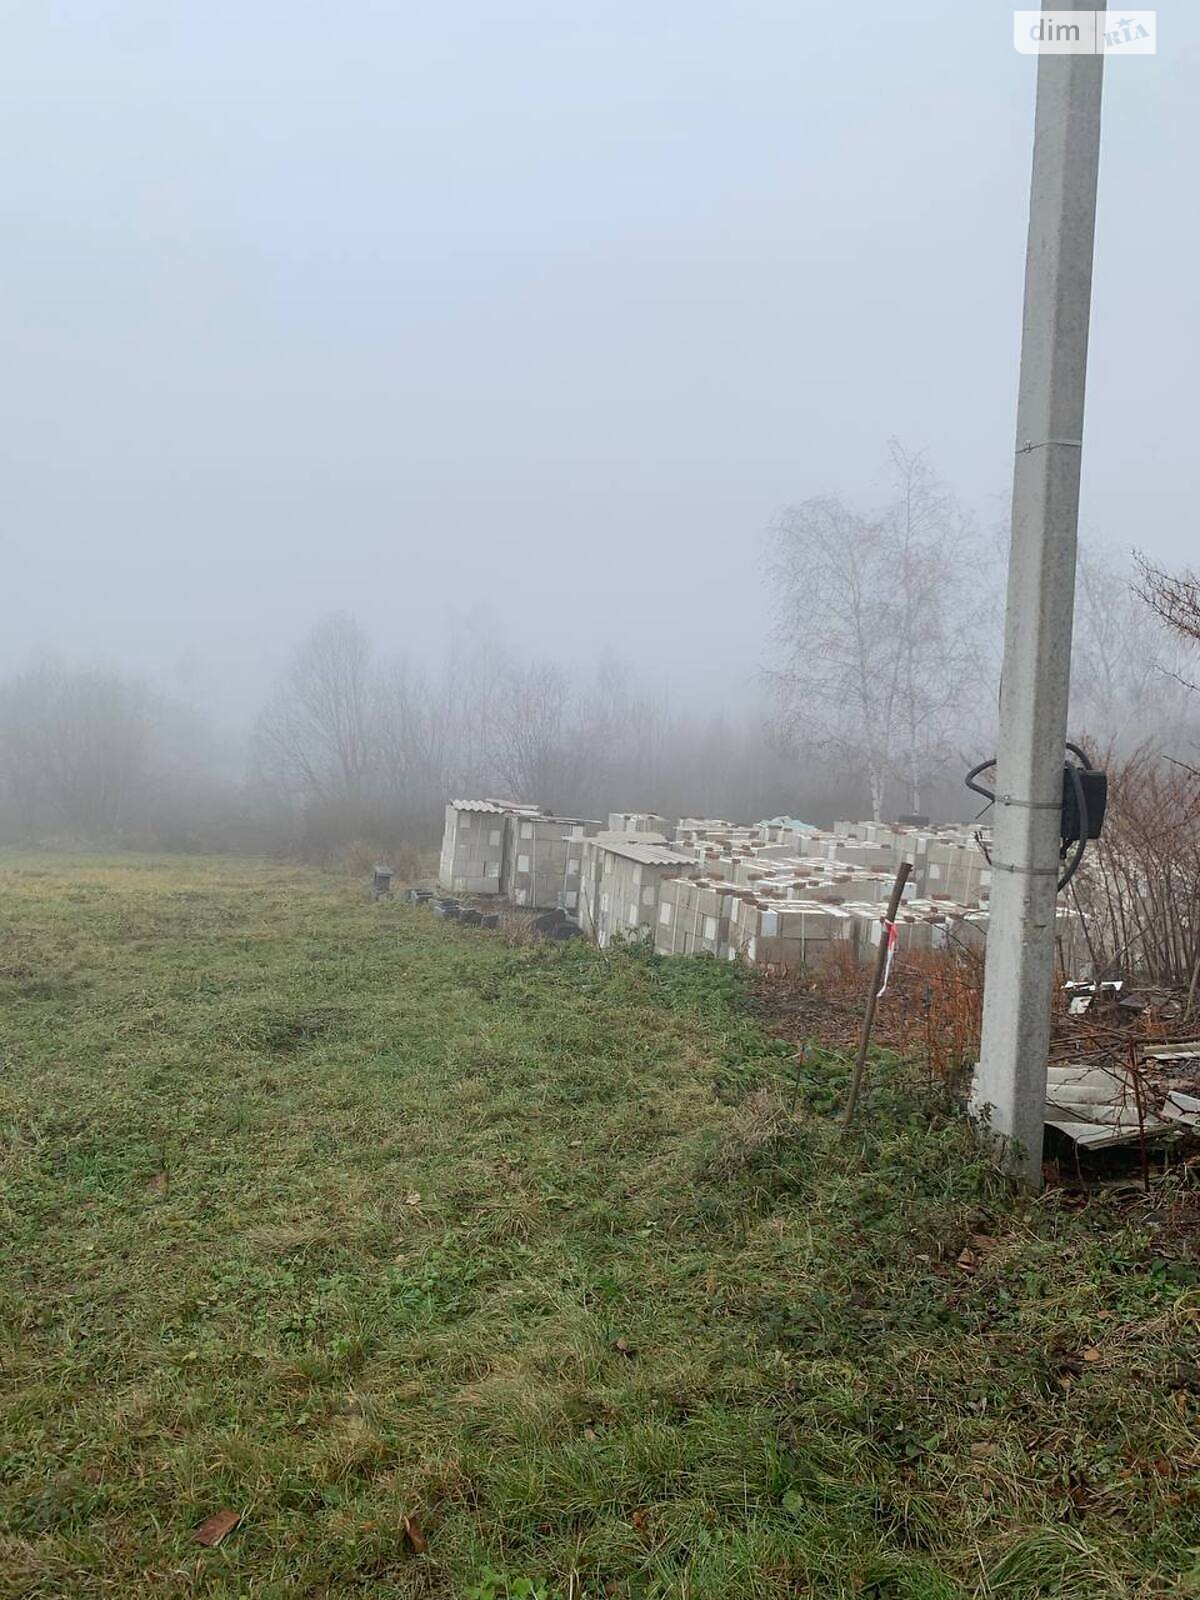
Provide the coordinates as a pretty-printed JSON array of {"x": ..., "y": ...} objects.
[
  {"x": 75, "y": 748},
  {"x": 939, "y": 657},
  {"x": 537, "y": 746},
  {"x": 1124, "y": 670},
  {"x": 415, "y": 738},
  {"x": 873, "y": 617},
  {"x": 634, "y": 746},
  {"x": 1141, "y": 886},
  {"x": 314, "y": 736},
  {"x": 1174, "y": 597}
]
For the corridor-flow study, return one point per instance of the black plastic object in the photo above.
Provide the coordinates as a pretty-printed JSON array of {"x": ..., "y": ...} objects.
[
  {"x": 1084, "y": 802},
  {"x": 1095, "y": 801}
]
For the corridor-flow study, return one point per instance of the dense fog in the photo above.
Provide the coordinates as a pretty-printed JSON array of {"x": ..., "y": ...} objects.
[
  {"x": 875, "y": 690},
  {"x": 406, "y": 400}
]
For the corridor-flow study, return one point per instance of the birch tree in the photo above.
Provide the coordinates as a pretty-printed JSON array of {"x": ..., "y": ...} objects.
[{"x": 874, "y": 629}]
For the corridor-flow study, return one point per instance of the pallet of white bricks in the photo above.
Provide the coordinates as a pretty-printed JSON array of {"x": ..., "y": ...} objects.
[{"x": 775, "y": 893}]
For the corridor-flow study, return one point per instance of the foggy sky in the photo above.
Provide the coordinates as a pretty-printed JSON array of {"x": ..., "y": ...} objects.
[{"x": 417, "y": 309}]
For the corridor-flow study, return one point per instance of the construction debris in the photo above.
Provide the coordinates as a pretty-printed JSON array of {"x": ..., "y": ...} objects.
[
  {"x": 1113, "y": 1079},
  {"x": 1099, "y": 1107}
]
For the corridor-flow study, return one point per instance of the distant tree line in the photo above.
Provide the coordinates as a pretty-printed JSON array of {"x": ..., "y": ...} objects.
[
  {"x": 879, "y": 691},
  {"x": 352, "y": 744}
]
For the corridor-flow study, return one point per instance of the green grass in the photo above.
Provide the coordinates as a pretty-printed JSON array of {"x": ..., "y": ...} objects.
[{"x": 334, "y": 1214}]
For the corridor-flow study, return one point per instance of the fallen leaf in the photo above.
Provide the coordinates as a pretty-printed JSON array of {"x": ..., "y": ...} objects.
[
  {"x": 213, "y": 1529},
  {"x": 1091, "y": 1353},
  {"x": 982, "y": 1451},
  {"x": 640, "y": 1519},
  {"x": 984, "y": 1241},
  {"x": 415, "y": 1536},
  {"x": 624, "y": 1348}
]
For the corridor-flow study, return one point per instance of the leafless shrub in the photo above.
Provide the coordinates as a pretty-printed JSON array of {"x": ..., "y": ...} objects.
[
  {"x": 361, "y": 856},
  {"x": 1141, "y": 888},
  {"x": 1174, "y": 597}
]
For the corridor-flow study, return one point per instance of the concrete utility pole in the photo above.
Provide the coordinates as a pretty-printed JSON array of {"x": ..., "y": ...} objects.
[{"x": 1011, "y": 1078}]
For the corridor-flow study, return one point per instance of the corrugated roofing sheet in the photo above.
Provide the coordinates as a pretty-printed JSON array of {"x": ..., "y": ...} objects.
[
  {"x": 646, "y": 850},
  {"x": 497, "y": 808},
  {"x": 1098, "y": 1107}
]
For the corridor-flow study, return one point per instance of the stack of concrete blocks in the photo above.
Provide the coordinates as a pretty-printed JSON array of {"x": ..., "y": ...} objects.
[
  {"x": 689, "y": 830},
  {"x": 693, "y": 917},
  {"x": 765, "y": 892},
  {"x": 725, "y": 838},
  {"x": 865, "y": 921},
  {"x": 945, "y": 860},
  {"x": 545, "y": 861},
  {"x": 619, "y": 883},
  {"x": 946, "y": 920},
  {"x": 819, "y": 847},
  {"x": 958, "y": 869},
  {"x": 475, "y": 844},
  {"x": 788, "y": 933},
  {"x": 825, "y": 881},
  {"x": 865, "y": 853},
  {"x": 914, "y": 929},
  {"x": 921, "y": 924},
  {"x": 638, "y": 822}
]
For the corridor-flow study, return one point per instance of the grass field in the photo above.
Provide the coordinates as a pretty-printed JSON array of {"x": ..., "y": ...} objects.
[{"x": 334, "y": 1216}]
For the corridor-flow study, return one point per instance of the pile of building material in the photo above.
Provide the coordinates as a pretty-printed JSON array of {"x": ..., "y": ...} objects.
[
  {"x": 637, "y": 822},
  {"x": 475, "y": 844},
  {"x": 621, "y": 876},
  {"x": 693, "y": 916},
  {"x": 1101, "y": 1106},
  {"x": 779, "y": 892},
  {"x": 545, "y": 859},
  {"x": 790, "y": 933},
  {"x": 493, "y": 847}
]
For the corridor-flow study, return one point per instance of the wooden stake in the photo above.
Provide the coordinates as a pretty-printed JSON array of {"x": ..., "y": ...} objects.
[{"x": 864, "y": 1038}]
